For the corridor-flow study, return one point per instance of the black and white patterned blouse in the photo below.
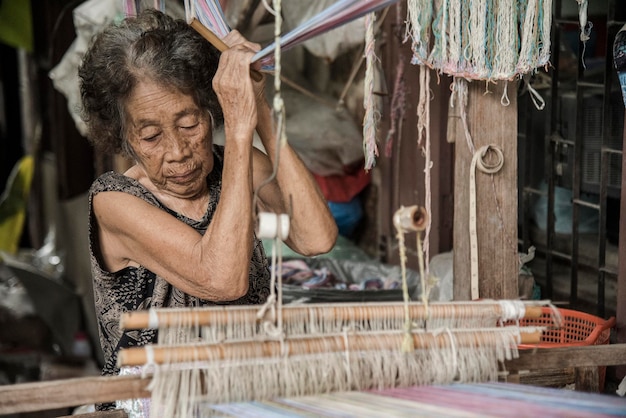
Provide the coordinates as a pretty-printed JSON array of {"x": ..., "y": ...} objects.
[{"x": 138, "y": 288}]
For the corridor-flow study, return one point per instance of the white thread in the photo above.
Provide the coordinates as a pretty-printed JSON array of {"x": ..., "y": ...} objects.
[
  {"x": 149, "y": 354},
  {"x": 271, "y": 225},
  {"x": 621, "y": 389},
  {"x": 346, "y": 342},
  {"x": 504, "y": 100},
  {"x": 512, "y": 310},
  {"x": 153, "y": 319},
  {"x": 538, "y": 101}
]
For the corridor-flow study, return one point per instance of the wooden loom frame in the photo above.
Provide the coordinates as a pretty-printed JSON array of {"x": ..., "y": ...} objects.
[{"x": 40, "y": 396}]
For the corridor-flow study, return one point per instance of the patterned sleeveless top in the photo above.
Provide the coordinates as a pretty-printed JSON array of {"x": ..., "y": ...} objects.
[{"x": 137, "y": 288}]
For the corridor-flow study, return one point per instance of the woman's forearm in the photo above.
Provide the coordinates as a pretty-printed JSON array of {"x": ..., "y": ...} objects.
[{"x": 313, "y": 229}]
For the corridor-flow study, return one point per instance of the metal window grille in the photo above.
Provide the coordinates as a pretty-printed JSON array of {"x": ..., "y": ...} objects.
[{"x": 570, "y": 164}]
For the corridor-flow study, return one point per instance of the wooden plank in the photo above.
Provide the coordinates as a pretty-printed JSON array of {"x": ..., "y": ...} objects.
[
  {"x": 563, "y": 357},
  {"x": 41, "y": 396},
  {"x": 490, "y": 123}
]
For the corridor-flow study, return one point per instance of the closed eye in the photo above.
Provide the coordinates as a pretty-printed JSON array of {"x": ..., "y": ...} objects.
[{"x": 151, "y": 138}]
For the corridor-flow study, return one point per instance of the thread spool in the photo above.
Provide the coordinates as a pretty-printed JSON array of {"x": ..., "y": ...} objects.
[
  {"x": 411, "y": 218},
  {"x": 272, "y": 225}
]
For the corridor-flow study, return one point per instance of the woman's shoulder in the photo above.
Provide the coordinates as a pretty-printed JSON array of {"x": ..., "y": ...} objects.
[{"x": 112, "y": 181}]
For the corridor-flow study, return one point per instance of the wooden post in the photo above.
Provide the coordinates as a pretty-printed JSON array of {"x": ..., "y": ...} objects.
[
  {"x": 620, "y": 315},
  {"x": 490, "y": 123}
]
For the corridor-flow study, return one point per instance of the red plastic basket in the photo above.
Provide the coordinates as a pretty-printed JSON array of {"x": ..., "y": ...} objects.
[{"x": 577, "y": 328}]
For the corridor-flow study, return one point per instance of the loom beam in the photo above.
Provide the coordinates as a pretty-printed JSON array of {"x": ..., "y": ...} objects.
[
  {"x": 139, "y": 356},
  {"x": 224, "y": 315}
]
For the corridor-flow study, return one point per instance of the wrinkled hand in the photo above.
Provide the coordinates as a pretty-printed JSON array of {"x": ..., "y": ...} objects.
[
  {"x": 235, "y": 91},
  {"x": 258, "y": 79}
]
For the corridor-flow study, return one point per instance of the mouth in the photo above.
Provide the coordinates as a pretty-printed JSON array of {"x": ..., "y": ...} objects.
[{"x": 183, "y": 177}]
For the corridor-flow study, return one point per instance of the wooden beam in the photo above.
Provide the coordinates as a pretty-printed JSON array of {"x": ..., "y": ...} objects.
[
  {"x": 585, "y": 361},
  {"x": 41, "y": 396},
  {"x": 564, "y": 357},
  {"x": 490, "y": 123},
  {"x": 53, "y": 394}
]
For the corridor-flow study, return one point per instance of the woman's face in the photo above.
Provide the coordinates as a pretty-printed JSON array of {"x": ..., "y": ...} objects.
[{"x": 171, "y": 139}]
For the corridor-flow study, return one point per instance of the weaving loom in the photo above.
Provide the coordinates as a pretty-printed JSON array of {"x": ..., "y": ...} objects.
[
  {"x": 327, "y": 348},
  {"x": 231, "y": 354}
]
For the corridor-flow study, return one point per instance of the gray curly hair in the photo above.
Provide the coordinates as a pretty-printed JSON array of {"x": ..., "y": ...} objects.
[{"x": 153, "y": 45}]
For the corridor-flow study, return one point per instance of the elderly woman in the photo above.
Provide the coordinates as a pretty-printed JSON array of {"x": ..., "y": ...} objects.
[{"x": 177, "y": 228}]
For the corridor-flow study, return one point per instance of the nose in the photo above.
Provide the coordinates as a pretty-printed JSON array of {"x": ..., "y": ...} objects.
[{"x": 178, "y": 147}]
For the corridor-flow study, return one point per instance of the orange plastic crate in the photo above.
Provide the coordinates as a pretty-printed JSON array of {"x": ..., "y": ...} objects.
[{"x": 577, "y": 328}]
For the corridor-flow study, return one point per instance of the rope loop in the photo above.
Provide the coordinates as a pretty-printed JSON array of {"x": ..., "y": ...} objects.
[{"x": 486, "y": 166}]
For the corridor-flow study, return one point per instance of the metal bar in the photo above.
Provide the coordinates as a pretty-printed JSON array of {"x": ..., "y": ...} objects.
[
  {"x": 532, "y": 190},
  {"x": 563, "y": 21},
  {"x": 552, "y": 151},
  {"x": 576, "y": 176},
  {"x": 609, "y": 271},
  {"x": 559, "y": 140},
  {"x": 604, "y": 159},
  {"x": 586, "y": 204},
  {"x": 589, "y": 85}
]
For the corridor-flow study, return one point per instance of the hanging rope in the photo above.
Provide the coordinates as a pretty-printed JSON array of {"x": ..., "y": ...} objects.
[
  {"x": 479, "y": 162},
  {"x": 585, "y": 27},
  {"x": 372, "y": 116}
]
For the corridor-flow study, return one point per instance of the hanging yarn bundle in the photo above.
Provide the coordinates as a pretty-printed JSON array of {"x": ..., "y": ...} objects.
[
  {"x": 372, "y": 115},
  {"x": 480, "y": 39}
]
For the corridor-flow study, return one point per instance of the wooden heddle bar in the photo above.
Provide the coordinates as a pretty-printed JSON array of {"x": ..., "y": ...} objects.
[
  {"x": 222, "y": 315},
  {"x": 312, "y": 345}
]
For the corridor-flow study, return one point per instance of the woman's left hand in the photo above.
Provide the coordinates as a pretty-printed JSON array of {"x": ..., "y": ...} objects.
[{"x": 258, "y": 78}]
